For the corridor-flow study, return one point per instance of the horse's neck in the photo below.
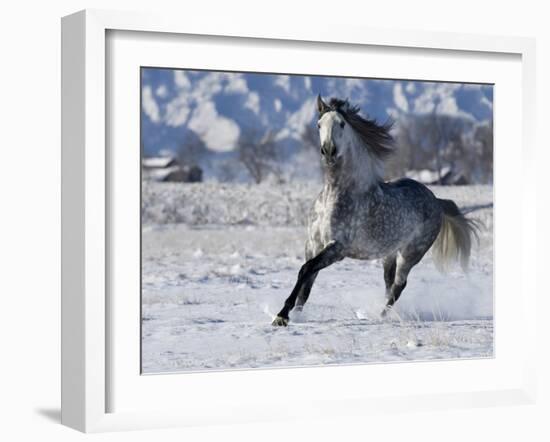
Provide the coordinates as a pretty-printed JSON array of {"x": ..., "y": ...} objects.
[
  {"x": 334, "y": 179},
  {"x": 351, "y": 177},
  {"x": 363, "y": 167}
]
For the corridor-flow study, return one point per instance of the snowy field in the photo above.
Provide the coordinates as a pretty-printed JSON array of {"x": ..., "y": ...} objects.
[{"x": 219, "y": 261}]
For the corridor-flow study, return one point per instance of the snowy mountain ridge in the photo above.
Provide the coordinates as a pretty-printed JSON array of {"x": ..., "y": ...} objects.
[{"x": 217, "y": 107}]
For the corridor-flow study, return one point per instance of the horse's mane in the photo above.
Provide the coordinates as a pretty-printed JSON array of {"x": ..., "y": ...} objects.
[{"x": 375, "y": 136}]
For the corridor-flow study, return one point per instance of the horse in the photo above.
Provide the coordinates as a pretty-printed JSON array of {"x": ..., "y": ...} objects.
[{"x": 360, "y": 216}]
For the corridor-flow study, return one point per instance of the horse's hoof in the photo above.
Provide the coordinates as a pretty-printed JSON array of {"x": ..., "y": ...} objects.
[
  {"x": 384, "y": 312},
  {"x": 279, "y": 321}
]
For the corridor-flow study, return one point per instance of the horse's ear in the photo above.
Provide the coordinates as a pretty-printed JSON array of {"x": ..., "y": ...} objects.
[{"x": 321, "y": 105}]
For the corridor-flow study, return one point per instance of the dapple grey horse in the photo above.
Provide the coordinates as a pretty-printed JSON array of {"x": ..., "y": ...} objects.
[{"x": 358, "y": 215}]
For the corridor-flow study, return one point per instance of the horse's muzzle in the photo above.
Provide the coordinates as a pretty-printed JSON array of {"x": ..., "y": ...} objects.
[{"x": 328, "y": 150}]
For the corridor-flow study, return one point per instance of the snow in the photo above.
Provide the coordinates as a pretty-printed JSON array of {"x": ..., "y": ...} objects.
[
  {"x": 283, "y": 81},
  {"x": 218, "y": 262},
  {"x": 219, "y": 133},
  {"x": 218, "y": 106},
  {"x": 181, "y": 80},
  {"x": 264, "y": 204},
  {"x": 236, "y": 84},
  {"x": 253, "y": 102},
  {"x": 399, "y": 97},
  {"x": 301, "y": 118},
  {"x": 162, "y": 91},
  {"x": 157, "y": 162},
  {"x": 428, "y": 176},
  {"x": 150, "y": 106}
]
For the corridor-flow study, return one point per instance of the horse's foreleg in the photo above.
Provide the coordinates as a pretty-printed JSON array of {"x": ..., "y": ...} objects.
[
  {"x": 306, "y": 290},
  {"x": 329, "y": 255}
]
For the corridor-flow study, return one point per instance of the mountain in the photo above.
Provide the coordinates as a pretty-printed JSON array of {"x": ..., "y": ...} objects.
[{"x": 218, "y": 107}]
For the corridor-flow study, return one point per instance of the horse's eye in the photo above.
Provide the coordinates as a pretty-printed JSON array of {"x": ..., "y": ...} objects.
[{"x": 342, "y": 124}]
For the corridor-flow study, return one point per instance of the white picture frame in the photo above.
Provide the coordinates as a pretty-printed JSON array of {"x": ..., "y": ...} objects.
[{"x": 86, "y": 205}]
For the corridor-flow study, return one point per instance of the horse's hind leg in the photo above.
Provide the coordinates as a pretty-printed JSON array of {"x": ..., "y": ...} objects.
[
  {"x": 406, "y": 259},
  {"x": 404, "y": 262},
  {"x": 389, "y": 272}
]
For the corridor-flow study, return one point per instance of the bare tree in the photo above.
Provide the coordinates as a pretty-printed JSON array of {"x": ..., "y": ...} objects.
[
  {"x": 402, "y": 160},
  {"x": 258, "y": 154},
  {"x": 192, "y": 150},
  {"x": 433, "y": 141},
  {"x": 228, "y": 170},
  {"x": 484, "y": 137}
]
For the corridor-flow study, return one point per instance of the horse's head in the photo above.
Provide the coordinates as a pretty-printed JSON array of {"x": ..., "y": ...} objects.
[
  {"x": 351, "y": 143},
  {"x": 334, "y": 133}
]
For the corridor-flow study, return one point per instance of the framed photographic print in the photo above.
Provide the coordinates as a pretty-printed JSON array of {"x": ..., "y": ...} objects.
[
  {"x": 250, "y": 214},
  {"x": 245, "y": 173}
]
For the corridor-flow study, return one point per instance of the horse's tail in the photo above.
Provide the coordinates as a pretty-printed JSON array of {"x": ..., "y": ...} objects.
[{"x": 454, "y": 242}]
